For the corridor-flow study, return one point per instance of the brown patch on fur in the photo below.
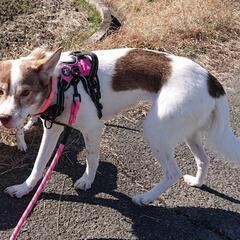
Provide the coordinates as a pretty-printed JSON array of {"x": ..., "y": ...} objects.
[
  {"x": 38, "y": 54},
  {"x": 215, "y": 89},
  {"x": 5, "y": 72},
  {"x": 5, "y": 78},
  {"x": 36, "y": 73},
  {"x": 141, "y": 69},
  {"x": 31, "y": 81}
]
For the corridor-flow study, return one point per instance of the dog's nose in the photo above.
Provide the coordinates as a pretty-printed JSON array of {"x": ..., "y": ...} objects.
[{"x": 4, "y": 118}]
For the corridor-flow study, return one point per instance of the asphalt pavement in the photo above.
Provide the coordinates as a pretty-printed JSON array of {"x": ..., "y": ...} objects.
[{"x": 127, "y": 167}]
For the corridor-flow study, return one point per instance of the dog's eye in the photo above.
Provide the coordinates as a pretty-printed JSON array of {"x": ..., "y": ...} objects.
[
  {"x": 25, "y": 93},
  {"x": 1, "y": 92}
]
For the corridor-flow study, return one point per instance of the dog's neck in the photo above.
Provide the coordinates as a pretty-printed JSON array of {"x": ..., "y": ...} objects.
[{"x": 50, "y": 99}]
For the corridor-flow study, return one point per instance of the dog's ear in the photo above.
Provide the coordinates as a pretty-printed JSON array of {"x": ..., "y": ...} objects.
[
  {"x": 46, "y": 66},
  {"x": 38, "y": 53}
]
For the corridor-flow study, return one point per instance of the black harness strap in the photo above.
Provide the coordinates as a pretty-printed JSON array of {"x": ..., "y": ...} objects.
[{"x": 90, "y": 84}]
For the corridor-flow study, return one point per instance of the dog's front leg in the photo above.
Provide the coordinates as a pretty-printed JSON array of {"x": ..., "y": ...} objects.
[
  {"x": 21, "y": 144},
  {"x": 92, "y": 140},
  {"x": 48, "y": 143}
]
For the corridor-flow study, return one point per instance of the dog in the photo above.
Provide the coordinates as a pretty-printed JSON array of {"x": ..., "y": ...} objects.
[{"x": 187, "y": 103}]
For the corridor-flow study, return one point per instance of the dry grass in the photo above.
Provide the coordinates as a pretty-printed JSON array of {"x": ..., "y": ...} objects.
[
  {"x": 186, "y": 26},
  {"x": 197, "y": 29}
]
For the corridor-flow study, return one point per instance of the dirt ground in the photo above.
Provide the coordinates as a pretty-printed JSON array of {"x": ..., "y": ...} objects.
[
  {"x": 127, "y": 167},
  {"x": 25, "y": 24}
]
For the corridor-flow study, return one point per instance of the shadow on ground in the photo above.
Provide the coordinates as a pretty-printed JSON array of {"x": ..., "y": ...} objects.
[{"x": 148, "y": 222}]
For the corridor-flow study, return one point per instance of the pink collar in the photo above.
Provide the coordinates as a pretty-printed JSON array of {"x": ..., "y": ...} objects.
[{"x": 47, "y": 102}]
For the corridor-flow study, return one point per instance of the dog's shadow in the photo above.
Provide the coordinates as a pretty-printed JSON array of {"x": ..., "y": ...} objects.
[{"x": 147, "y": 222}]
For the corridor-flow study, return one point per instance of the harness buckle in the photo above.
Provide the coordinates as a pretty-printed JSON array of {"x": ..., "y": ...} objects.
[{"x": 75, "y": 71}]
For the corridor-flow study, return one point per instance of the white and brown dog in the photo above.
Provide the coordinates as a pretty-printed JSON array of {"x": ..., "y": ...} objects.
[{"x": 187, "y": 102}]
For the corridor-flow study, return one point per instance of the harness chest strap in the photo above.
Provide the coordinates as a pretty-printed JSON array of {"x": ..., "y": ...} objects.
[{"x": 83, "y": 67}]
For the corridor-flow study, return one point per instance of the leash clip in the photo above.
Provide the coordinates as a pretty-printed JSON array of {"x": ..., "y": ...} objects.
[
  {"x": 46, "y": 125},
  {"x": 75, "y": 71}
]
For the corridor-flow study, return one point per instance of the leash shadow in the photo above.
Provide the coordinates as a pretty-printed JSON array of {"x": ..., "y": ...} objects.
[{"x": 219, "y": 194}]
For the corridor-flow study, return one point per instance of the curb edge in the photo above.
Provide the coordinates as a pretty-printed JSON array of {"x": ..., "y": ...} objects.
[{"x": 106, "y": 21}]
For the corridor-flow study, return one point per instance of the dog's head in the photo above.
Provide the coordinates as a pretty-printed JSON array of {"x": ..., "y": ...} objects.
[{"x": 25, "y": 84}]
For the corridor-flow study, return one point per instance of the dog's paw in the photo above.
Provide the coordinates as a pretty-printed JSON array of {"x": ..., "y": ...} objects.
[
  {"x": 17, "y": 190},
  {"x": 142, "y": 199},
  {"x": 83, "y": 183},
  {"x": 22, "y": 146},
  {"x": 192, "y": 181}
]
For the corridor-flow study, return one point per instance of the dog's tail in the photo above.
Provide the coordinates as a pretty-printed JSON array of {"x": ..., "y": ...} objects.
[{"x": 220, "y": 136}]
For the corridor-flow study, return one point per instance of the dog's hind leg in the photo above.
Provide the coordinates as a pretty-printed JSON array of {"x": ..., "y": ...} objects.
[
  {"x": 161, "y": 141},
  {"x": 201, "y": 159},
  {"x": 92, "y": 140}
]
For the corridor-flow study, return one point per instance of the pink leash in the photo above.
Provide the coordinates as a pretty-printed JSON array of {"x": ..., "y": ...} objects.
[{"x": 74, "y": 110}]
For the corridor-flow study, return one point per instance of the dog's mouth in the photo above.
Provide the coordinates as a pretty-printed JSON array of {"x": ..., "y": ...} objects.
[{"x": 8, "y": 124}]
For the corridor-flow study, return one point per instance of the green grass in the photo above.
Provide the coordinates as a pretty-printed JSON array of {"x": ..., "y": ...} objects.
[
  {"x": 94, "y": 20},
  {"x": 94, "y": 17}
]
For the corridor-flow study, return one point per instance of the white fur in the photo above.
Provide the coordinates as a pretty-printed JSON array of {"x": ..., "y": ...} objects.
[
  {"x": 16, "y": 75},
  {"x": 220, "y": 136},
  {"x": 22, "y": 146},
  {"x": 180, "y": 112}
]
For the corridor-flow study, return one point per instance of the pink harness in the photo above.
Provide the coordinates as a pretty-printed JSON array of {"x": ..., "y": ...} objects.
[
  {"x": 67, "y": 71},
  {"x": 83, "y": 65}
]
